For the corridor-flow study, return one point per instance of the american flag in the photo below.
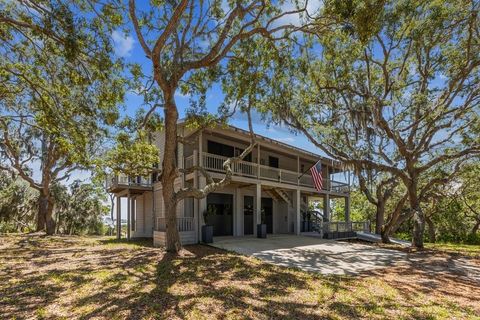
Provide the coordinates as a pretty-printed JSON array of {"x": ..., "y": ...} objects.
[{"x": 316, "y": 171}]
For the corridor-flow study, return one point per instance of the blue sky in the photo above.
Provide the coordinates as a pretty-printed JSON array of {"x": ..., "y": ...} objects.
[{"x": 127, "y": 47}]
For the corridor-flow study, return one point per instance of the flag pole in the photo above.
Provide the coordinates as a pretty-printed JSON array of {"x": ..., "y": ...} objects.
[{"x": 308, "y": 169}]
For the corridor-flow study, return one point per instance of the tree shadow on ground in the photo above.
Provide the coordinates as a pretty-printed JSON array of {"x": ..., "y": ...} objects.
[
  {"x": 142, "y": 242},
  {"x": 131, "y": 280}
]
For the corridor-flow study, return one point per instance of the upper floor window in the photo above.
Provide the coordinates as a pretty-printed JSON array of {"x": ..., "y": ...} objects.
[
  {"x": 273, "y": 162},
  {"x": 220, "y": 149}
]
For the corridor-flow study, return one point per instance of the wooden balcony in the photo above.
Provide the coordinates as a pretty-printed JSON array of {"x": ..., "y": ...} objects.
[
  {"x": 118, "y": 183},
  {"x": 214, "y": 163}
]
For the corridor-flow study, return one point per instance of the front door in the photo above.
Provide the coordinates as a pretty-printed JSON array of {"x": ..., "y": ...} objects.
[
  {"x": 248, "y": 215},
  {"x": 267, "y": 207},
  {"x": 222, "y": 220}
]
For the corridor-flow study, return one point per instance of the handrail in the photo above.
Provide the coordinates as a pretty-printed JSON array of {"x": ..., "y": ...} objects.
[
  {"x": 124, "y": 180},
  {"x": 213, "y": 162}
]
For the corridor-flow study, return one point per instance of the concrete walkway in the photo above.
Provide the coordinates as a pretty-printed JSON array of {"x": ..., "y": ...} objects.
[
  {"x": 313, "y": 254},
  {"x": 372, "y": 237}
]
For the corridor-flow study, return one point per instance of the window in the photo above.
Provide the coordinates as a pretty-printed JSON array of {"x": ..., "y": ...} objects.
[
  {"x": 239, "y": 151},
  {"x": 273, "y": 162},
  {"x": 220, "y": 149}
]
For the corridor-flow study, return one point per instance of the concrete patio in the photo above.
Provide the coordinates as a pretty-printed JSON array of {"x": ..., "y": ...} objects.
[{"x": 313, "y": 254}]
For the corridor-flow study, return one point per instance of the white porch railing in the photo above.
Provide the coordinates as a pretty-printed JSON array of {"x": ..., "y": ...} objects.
[
  {"x": 183, "y": 224},
  {"x": 124, "y": 180},
  {"x": 213, "y": 162},
  {"x": 340, "y": 187}
]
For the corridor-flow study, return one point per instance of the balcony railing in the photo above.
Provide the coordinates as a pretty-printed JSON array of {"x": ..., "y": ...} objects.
[
  {"x": 123, "y": 180},
  {"x": 213, "y": 162},
  {"x": 183, "y": 224}
]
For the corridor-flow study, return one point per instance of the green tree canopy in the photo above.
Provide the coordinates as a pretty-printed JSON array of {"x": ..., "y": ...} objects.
[
  {"x": 61, "y": 89},
  {"x": 402, "y": 100}
]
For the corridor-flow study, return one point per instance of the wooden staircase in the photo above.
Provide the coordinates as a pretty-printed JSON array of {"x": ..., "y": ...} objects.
[
  {"x": 273, "y": 194},
  {"x": 279, "y": 195},
  {"x": 284, "y": 196}
]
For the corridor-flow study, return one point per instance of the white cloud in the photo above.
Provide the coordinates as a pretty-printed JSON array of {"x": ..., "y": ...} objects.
[
  {"x": 123, "y": 43},
  {"x": 297, "y": 19}
]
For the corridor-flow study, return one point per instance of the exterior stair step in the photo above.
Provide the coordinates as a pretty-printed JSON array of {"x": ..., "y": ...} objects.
[{"x": 284, "y": 196}]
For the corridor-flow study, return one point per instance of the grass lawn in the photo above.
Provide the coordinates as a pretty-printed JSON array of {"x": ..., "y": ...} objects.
[
  {"x": 462, "y": 249},
  {"x": 87, "y": 277}
]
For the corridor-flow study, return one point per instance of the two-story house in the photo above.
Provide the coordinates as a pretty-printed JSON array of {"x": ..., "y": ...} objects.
[{"x": 273, "y": 183}]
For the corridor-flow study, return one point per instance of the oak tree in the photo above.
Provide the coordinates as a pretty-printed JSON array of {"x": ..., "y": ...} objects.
[
  {"x": 61, "y": 85},
  {"x": 188, "y": 43}
]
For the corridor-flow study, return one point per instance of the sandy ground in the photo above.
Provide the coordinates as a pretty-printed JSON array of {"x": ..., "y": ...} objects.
[{"x": 100, "y": 278}]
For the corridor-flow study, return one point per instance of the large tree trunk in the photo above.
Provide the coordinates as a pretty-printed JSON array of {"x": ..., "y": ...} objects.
[
  {"x": 50, "y": 222},
  {"x": 385, "y": 236},
  {"x": 418, "y": 227},
  {"x": 418, "y": 215},
  {"x": 401, "y": 219},
  {"x": 45, "y": 214},
  {"x": 390, "y": 226},
  {"x": 431, "y": 230},
  {"x": 169, "y": 174},
  {"x": 41, "y": 214},
  {"x": 476, "y": 227},
  {"x": 380, "y": 217},
  {"x": 173, "y": 243}
]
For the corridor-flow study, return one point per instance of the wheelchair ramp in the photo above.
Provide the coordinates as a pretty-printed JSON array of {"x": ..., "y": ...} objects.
[{"x": 373, "y": 237}]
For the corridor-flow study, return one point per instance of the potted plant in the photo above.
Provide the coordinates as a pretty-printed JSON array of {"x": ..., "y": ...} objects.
[
  {"x": 207, "y": 229},
  {"x": 262, "y": 227}
]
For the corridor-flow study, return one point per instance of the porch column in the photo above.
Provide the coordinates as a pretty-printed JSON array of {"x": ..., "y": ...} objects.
[
  {"x": 128, "y": 214},
  {"x": 238, "y": 214},
  {"x": 258, "y": 207},
  {"x": 298, "y": 213},
  {"x": 119, "y": 218},
  {"x": 133, "y": 214},
  {"x": 347, "y": 209},
  {"x": 196, "y": 211},
  {"x": 326, "y": 206},
  {"x": 298, "y": 170},
  {"x": 258, "y": 161}
]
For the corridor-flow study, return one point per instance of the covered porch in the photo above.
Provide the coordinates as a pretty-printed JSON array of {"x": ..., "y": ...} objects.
[{"x": 240, "y": 207}]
